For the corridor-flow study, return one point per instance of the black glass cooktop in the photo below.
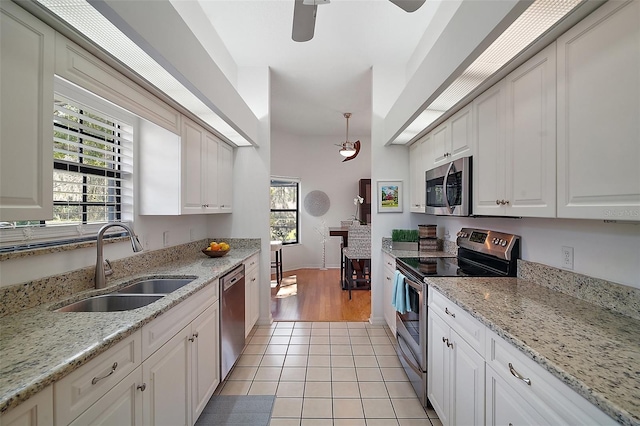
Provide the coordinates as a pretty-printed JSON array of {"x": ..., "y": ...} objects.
[{"x": 444, "y": 267}]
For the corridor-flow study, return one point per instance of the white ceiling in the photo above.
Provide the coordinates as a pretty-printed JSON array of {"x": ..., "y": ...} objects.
[{"x": 315, "y": 82}]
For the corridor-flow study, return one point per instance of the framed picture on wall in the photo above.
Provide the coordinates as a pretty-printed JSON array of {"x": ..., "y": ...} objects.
[{"x": 389, "y": 196}]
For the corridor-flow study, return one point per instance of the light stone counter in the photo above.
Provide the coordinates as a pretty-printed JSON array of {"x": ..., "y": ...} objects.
[
  {"x": 595, "y": 351},
  {"x": 39, "y": 346}
]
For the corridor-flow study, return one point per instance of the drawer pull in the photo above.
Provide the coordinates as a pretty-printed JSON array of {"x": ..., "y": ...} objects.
[
  {"x": 450, "y": 345},
  {"x": 518, "y": 376},
  {"x": 142, "y": 387},
  {"x": 193, "y": 337},
  {"x": 445, "y": 340},
  {"x": 113, "y": 369},
  {"x": 448, "y": 312}
]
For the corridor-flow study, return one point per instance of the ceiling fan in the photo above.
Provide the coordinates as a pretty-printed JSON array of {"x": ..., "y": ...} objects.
[
  {"x": 304, "y": 15},
  {"x": 348, "y": 149}
]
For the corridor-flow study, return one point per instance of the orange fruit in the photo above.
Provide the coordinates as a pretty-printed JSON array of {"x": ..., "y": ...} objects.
[{"x": 215, "y": 246}]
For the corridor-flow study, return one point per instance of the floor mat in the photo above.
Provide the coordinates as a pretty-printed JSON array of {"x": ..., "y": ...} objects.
[{"x": 236, "y": 410}]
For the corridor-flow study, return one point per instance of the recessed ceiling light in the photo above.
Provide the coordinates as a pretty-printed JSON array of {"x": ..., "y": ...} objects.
[
  {"x": 531, "y": 24},
  {"x": 93, "y": 25}
]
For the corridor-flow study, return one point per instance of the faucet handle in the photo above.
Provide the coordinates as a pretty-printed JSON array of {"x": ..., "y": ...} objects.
[{"x": 108, "y": 270}]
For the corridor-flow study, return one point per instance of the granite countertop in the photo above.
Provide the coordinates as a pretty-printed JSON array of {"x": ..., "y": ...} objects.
[
  {"x": 593, "y": 350},
  {"x": 39, "y": 346}
]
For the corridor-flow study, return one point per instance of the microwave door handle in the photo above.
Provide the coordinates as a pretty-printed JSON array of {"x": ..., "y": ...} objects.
[{"x": 444, "y": 188}]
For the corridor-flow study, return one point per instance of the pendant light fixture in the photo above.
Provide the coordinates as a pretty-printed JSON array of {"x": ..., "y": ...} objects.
[{"x": 349, "y": 149}]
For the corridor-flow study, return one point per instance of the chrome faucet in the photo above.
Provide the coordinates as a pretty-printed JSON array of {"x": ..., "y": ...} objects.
[{"x": 102, "y": 273}]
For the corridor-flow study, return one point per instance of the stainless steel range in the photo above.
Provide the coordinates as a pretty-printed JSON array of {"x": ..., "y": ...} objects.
[{"x": 481, "y": 253}]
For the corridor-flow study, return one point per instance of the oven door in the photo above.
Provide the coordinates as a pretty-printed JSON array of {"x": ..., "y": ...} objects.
[
  {"x": 448, "y": 189},
  {"x": 411, "y": 333}
]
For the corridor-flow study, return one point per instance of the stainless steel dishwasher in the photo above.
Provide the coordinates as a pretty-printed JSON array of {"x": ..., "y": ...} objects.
[{"x": 231, "y": 319}]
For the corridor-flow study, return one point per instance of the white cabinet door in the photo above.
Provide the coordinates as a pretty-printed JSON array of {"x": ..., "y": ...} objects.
[
  {"x": 461, "y": 130},
  {"x": 210, "y": 170},
  {"x": 192, "y": 173},
  {"x": 467, "y": 383},
  {"x": 489, "y": 159},
  {"x": 438, "y": 366},
  {"x": 389, "y": 274},
  {"x": 205, "y": 358},
  {"x": 225, "y": 177},
  {"x": 36, "y": 411},
  {"x": 251, "y": 292},
  {"x": 417, "y": 167},
  {"x": 167, "y": 397},
  {"x": 514, "y": 166},
  {"x": 26, "y": 105},
  {"x": 531, "y": 137},
  {"x": 505, "y": 406},
  {"x": 599, "y": 115},
  {"x": 441, "y": 140},
  {"x": 121, "y": 406}
]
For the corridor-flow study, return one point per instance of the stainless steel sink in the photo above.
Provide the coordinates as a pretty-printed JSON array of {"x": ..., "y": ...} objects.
[
  {"x": 156, "y": 286},
  {"x": 111, "y": 303}
]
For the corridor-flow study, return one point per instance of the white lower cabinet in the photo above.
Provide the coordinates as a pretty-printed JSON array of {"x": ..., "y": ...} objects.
[
  {"x": 455, "y": 379},
  {"x": 252, "y": 292},
  {"x": 475, "y": 377},
  {"x": 389, "y": 274},
  {"x": 205, "y": 358},
  {"x": 505, "y": 406},
  {"x": 122, "y": 405},
  {"x": 167, "y": 377},
  {"x": 164, "y": 373},
  {"x": 36, "y": 411}
]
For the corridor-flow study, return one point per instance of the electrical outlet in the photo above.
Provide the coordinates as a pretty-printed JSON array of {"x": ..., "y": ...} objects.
[
  {"x": 145, "y": 242},
  {"x": 165, "y": 239},
  {"x": 567, "y": 257}
]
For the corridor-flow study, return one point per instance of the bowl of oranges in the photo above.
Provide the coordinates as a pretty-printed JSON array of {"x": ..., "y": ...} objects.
[{"x": 216, "y": 249}]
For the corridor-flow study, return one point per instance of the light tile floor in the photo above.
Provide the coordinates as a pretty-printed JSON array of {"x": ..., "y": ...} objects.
[{"x": 328, "y": 373}]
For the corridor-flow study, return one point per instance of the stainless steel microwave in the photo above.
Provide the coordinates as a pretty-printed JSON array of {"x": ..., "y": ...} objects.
[{"x": 449, "y": 189}]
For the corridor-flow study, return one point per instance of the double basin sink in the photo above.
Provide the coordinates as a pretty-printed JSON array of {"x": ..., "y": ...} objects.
[{"x": 133, "y": 296}]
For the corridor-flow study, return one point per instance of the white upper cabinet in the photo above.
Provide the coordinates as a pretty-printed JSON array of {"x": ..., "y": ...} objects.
[
  {"x": 599, "y": 115},
  {"x": 489, "y": 159},
  {"x": 191, "y": 174},
  {"x": 453, "y": 139},
  {"x": 515, "y": 160},
  {"x": 417, "y": 167},
  {"x": 26, "y": 106}
]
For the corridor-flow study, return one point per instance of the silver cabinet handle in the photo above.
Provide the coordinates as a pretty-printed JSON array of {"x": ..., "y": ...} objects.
[
  {"x": 113, "y": 370},
  {"x": 142, "y": 387},
  {"x": 193, "y": 337},
  {"x": 448, "y": 312},
  {"x": 445, "y": 340},
  {"x": 518, "y": 376},
  {"x": 450, "y": 345},
  {"x": 497, "y": 202}
]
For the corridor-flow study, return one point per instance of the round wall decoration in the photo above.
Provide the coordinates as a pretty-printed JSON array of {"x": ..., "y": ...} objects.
[{"x": 316, "y": 203}]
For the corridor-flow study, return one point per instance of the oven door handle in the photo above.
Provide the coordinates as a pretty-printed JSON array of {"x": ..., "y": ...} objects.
[
  {"x": 406, "y": 358},
  {"x": 444, "y": 188},
  {"x": 415, "y": 286}
]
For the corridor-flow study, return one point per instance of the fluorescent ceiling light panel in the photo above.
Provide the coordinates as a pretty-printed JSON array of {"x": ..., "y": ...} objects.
[
  {"x": 92, "y": 24},
  {"x": 534, "y": 22}
]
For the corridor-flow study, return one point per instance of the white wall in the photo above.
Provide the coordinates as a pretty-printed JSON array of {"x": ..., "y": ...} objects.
[
  {"x": 610, "y": 251},
  {"x": 387, "y": 163},
  {"x": 319, "y": 166}
]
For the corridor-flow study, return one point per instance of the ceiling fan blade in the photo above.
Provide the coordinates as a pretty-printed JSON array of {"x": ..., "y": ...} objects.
[
  {"x": 408, "y": 5},
  {"x": 304, "y": 21},
  {"x": 356, "y": 145}
]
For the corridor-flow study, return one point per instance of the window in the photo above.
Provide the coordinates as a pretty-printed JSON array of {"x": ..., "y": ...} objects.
[
  {"x": 92, "y": 171},
  {"x": 285, "y": 207}
]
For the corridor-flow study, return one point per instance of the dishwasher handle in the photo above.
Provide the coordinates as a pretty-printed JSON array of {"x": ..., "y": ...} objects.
[{"x": 232, "y": 278}]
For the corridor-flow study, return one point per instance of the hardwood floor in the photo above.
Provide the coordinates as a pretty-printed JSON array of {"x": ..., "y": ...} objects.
[{"x": 315, "y": 295}]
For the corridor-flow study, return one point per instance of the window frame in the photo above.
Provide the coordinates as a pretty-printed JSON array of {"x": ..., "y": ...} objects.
[{"x": 297, "y": 183}]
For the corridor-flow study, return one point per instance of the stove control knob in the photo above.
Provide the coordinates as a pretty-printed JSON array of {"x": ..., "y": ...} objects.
[
  {"x": 497, "y": 241},
  {"x": 503, "y": 243}
]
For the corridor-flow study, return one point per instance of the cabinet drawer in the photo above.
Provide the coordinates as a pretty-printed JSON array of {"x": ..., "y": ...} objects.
[
  {"x": 159, "y": 331},
  {"x": 84, "y": 386},
  {"x": 389, "y": 261},
  {"x": 252, "y": 262},
  {"x": 469, "y": 328},
  {"x": 554, "y": 400}
]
